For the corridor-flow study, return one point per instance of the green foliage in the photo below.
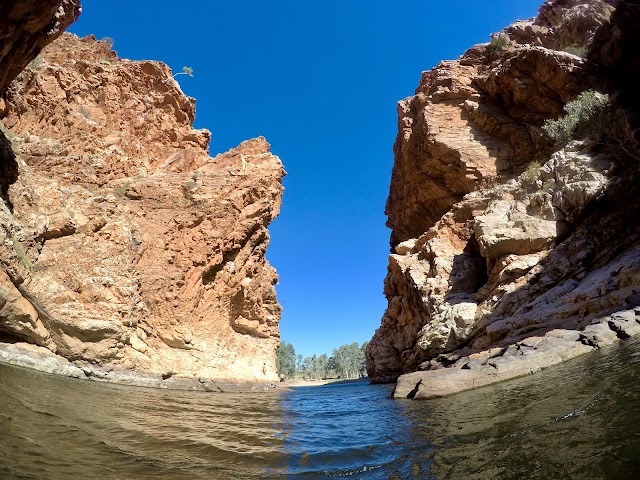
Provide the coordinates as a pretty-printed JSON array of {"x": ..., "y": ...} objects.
[
  {"x": 9, "y": 135},
  {"x": 498, "y": 43},
  {"x": 286, "y": 359},
  {"x": 109, "y": 41},
  {"x": 21, "y": 254},
  {"x": 532, "y": 169},
  {"x": 185, "y": 71},
  {"x": 7, "y": 132},
  {"x": 316, "y": 366},
  {"x": 577, "y": 50},
  {"x": 190, "y": 185},
  {"x": 346, "y": 361},
  {"x": 588, "y": 116},
  {"x": 121, "y": 190},
  {"x": 36, "y": 62}
]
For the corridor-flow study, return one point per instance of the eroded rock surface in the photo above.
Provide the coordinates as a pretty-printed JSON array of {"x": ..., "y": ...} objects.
[
  {"x": 501, "y": 239},
  {"x": 125, "y": 248}
]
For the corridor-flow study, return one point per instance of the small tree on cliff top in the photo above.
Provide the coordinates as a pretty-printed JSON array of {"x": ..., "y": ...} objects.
[{"x": 188, "y": 71}]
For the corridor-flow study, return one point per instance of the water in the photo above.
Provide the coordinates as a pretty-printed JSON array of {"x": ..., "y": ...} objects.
[{"x": 580, "y": 420}]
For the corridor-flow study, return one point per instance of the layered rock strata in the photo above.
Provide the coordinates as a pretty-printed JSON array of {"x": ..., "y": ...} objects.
[
  {"x": 128, "y": 253},
  {"x": 511, "y": 253}
]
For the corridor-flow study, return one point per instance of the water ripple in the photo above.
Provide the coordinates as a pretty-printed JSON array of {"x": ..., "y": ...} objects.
[{"x": 579, "y": 420}]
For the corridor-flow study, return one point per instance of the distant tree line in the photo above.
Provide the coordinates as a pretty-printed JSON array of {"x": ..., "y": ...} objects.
[{"x": 346, "y": 362}]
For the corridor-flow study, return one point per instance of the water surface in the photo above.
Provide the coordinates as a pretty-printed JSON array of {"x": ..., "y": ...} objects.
[{"x": 579, "y": 420}]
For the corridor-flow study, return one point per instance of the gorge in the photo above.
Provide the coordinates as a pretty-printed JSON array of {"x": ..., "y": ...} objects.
[{"x": 132, "y": 256}]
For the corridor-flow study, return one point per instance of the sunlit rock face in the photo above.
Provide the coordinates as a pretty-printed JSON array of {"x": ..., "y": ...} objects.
[
  {"x": 126, "y": 248},
  {"x": 498, "y": 235}
]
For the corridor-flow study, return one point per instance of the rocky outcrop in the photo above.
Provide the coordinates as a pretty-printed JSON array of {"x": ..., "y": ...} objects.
[
  {"x": 26, "y": 27},
  {"x": 509, "y": 252},
  {"x": 125, "y": 248}
]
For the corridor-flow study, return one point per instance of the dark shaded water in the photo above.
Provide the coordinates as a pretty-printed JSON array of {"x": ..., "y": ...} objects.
[{"x": 580, "y": 420}]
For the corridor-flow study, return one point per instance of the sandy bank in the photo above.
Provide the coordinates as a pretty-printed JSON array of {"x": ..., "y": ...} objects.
[
  {"x": 38, "y": 358},
  {"x": 318, "y": 383}
]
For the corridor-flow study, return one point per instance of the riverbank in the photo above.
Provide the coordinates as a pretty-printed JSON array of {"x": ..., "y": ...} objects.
[
  {"x": 327, "y": 381},
  {"x": 33, "y": 357},
  {"x": 38, "y": 358},
  {"x": 469, "y": 369}
]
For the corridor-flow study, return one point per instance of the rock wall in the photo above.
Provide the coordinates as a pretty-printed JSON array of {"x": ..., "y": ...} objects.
[
  {"x": 125, "y": 248},
  {"x": 26, "y": 27},
  {"x": 511, "y": 253}
]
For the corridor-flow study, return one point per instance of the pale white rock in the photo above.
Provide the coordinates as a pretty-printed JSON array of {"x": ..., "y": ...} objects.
[
  {"x": 507, "y": 229},
  {"x": 405, "y": 247}
]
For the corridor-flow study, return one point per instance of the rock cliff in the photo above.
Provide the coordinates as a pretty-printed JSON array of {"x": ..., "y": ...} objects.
[
  {"x": 127, "y": 252},
  {"x": 511, "y": 252},
  {"x": 26, "y": 27}
]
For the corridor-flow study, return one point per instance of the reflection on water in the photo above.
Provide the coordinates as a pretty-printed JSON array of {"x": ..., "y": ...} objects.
[
  {"x": 352, "y": 430},
  {"x": 579, "y": 420},
  {"x": 60, "y": 428}
]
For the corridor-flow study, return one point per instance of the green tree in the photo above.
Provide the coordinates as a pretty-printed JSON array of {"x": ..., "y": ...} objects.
[
  {"x": 577, "y": 50},
  {"x": 299, "y": 364},
  {"x": 332, "y": 365},
  {"x": 109, "y": 41},
  {"x": 286, "y": 359},
  {"x": 309, "y": 366},
  {"x": 363, "y": 363},
  {"x": 322, "y": 366},
  {"x": 348, "y": 360},
  {"x": 315, "y": 366},
  {"x": 188, "y": 71}
]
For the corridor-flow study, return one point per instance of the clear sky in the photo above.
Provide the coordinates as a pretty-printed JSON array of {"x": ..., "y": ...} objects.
[{"x": 320, "y": 80}]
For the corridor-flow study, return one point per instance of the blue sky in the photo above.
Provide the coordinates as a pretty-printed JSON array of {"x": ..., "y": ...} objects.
[{"x": 320, "y": 80}]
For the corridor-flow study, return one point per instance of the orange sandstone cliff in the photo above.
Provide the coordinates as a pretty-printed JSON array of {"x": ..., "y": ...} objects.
[
  {"x": 511, "y": 253},
  {"x": 127, "y": 253}
]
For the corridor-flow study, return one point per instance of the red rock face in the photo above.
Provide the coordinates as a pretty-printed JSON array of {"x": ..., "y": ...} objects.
[
  {"x": 497, "y": 234},
  {"x": 126, "y": 247},
  {"x": 26, "y": 27}
]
